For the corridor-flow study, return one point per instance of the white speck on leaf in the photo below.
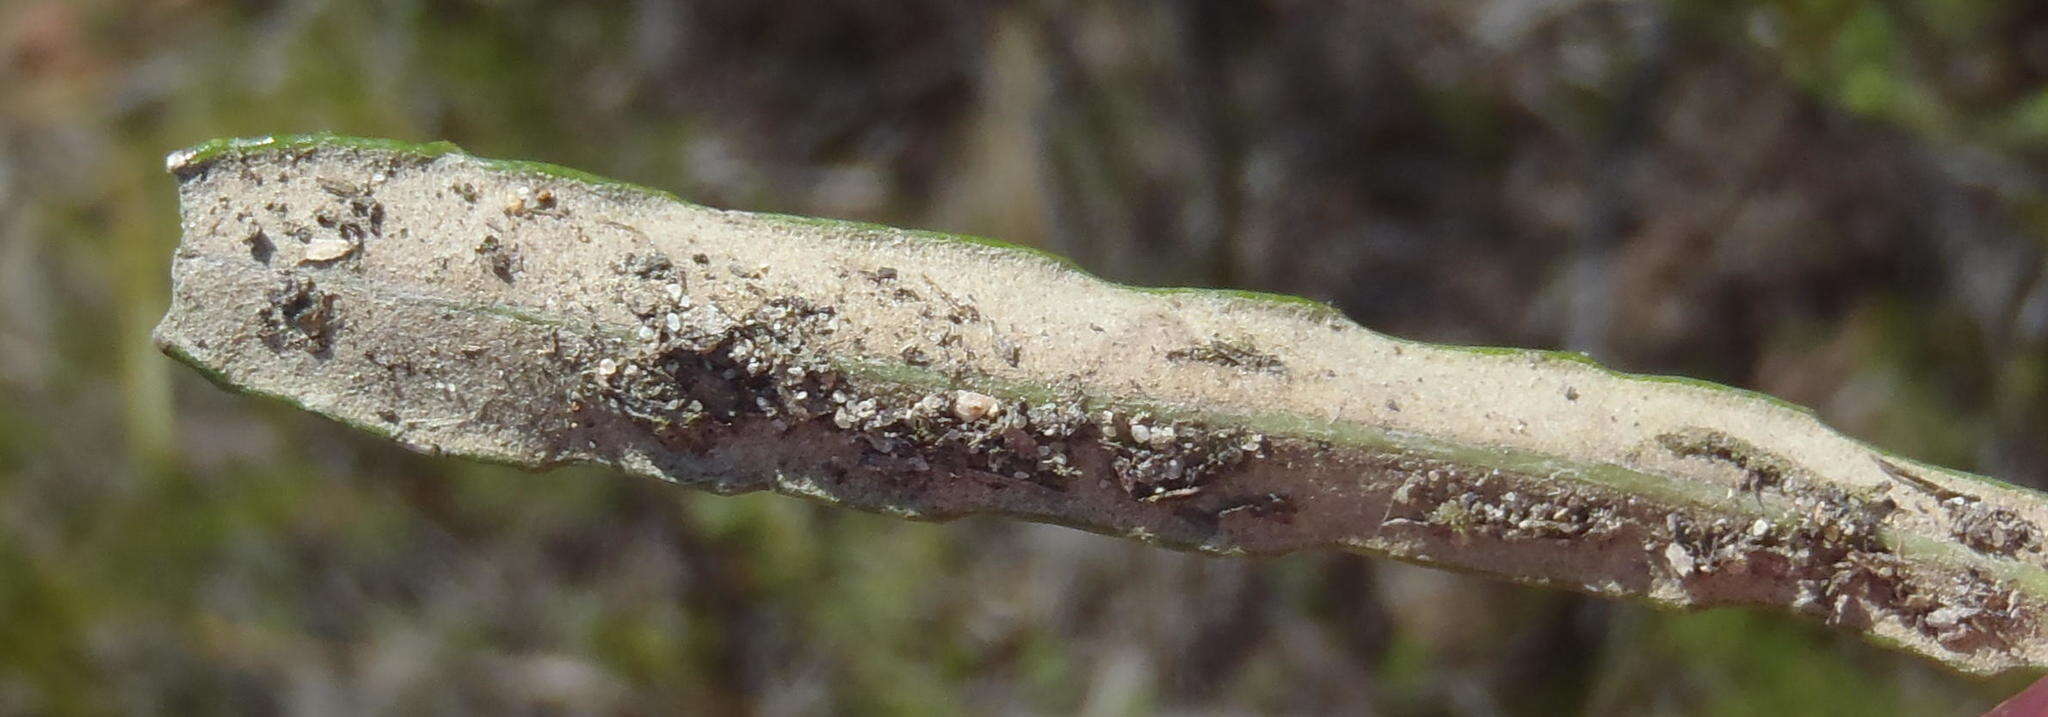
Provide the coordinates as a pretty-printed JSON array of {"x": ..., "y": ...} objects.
[
  {"x": 1681, "y": 561},
  {"x": 971, "y": 406},
  {"x": 328, "y": 249}
]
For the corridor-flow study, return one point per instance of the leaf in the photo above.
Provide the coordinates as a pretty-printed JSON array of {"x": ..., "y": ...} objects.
[{"x": 537, "y": 316}]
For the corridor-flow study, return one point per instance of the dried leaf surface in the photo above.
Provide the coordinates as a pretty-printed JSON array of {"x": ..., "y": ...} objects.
[{"x": 532, "y": 315}]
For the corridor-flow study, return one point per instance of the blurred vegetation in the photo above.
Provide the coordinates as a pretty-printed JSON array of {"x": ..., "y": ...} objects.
[{"x": 1837, "y": 201}]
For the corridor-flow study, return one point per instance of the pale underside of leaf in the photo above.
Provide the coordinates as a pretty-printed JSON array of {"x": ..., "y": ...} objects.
[{"x": 536, "y": 316}]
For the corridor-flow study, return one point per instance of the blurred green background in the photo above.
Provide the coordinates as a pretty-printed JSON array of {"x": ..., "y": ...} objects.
[{"x": 1839, "y": 202}]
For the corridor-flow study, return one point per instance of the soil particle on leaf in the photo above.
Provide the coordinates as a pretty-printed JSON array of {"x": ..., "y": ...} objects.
[
  {"x": 692, "y": 364},
  {"x": 1467, "y": 506},
  {"x": 1991, "y": 530},
  {"x": 260, "y": 246},
  {"x": 1984, "y": 527},
  {"x": 1265, "y": 505},
  {"x": 326, "y": 249},
  {"x": 692, "y": 361},
  {"x": 528, "y": 202},
  {"x": 1832, "y": 551},
  {"x": 650, "y": 266},
  {"x": 1238, "y": 354},
  {"x": 969, "y": 406},
  {"x": 340, "y": 188},
  {"x": 1158, "y": 460},
  {"x": 359, "y": 217},
  {"x": 1679, "y": 559},
  {"x": 1761, "y": 469},
  {"x": 499, "y": 258},
  {"x": 299, "y": 315}
]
